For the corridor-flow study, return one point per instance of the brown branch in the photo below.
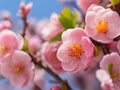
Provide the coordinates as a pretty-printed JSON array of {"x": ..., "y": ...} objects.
[
  {"x": 25, "y": 25},
  {"x": 48, "y": 70}
]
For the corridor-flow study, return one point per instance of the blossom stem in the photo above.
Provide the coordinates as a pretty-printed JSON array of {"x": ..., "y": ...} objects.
[
  {"x": 104, "y": 47},
  {"x": 48, "y": 70},
  {"x": 25, "y": 25}
]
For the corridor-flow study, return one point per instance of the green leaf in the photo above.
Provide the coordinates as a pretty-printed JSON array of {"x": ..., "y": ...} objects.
[
  {"x": 115, "y": 2},
  {"x": 68, "y": 18},
  {"x": 25, "y": 46},
  {"x": 57, "y": 38},
  {"x": 110, "y": 67}
]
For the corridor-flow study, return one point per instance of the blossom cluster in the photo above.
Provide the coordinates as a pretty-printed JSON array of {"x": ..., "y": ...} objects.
[{"x": 84, "y": 42}]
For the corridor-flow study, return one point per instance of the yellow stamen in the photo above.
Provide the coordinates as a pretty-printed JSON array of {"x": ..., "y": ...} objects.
[
  {"x": 18, "y": 69},
  {"x": 5, "y": 49},
  {"x": 76, "y": 50},
  {"x": 102, "y": 26}
]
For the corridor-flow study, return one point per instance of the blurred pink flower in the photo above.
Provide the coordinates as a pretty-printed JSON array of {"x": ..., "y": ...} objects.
[
  {"x": 18, "y": 68},
  {"x": 39, "y": 79},
  {"x": 8, "y": 42},
  {"x": 76, "y": 51},
  {"x": 48, "y": 53},
  {"x": 34, "y": 44},
  {"x": 6, "y": 15},
  {"x": 102, "y": 24},
  {"x": 5, "y": 24},
  {"x": 110, "y": 66},
  {"x": 105, "y": 79},
  {"x": 84, "y": 4},
  {"x": 51, "y": 29}
]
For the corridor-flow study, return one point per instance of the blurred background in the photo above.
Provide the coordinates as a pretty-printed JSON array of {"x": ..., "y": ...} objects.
[{"x": 41, "y": 8}]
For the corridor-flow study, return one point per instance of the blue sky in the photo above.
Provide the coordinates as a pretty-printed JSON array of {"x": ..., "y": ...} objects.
[{"x": 41, "y": 8}]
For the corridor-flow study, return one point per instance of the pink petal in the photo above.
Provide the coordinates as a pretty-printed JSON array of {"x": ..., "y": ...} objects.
[
  {"x": 101, "y": 37},
  {"x": 70, "y": 66},
  {"x": 87, "y": 46},
  {"x": 113, "y": 58}
]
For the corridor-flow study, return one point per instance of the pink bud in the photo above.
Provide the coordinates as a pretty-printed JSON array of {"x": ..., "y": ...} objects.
[
  {"x": 28, "y": 7},
  {"x": 22, "y": 6}
]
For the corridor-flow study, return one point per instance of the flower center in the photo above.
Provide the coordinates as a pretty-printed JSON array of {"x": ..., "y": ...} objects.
[
  {"x": 18, "y": 69},
  {"x": 102, "y": 26},
  {"x": 5, "y": 49},
  {"x": 76, "y": 50},
  {"x": 114, "y": 75}
]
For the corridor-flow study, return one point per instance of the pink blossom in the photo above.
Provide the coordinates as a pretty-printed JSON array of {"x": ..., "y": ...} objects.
[
  {"x": 111, "y": 65},
  {"x": 48, "y": 53},
  {"x": 6, "y": 15},
  {"x": 34, "y": 44},
  {"x": 102, "y": 24},
  {"x": 76, "y": 51},
  {"x": 5, "y": 24},
  {"x": 8, "y": 42},
  {"x": 52, "y": 28},
  {"x": 17, "y": 67}
]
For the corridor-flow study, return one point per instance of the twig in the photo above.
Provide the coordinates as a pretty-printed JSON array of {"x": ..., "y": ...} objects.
[
  {"x": 39, "y": 64},
  {"x": 25, "y": 25}
]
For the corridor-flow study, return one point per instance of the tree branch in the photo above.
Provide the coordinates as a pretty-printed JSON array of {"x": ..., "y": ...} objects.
[{"x": 48, "y": 70}]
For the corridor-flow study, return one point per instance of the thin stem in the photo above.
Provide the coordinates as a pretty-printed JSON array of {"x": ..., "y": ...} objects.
[
  {"x": 104, "y": 47},
  {"x": 62, "y": 82},
  {"x": 25, "y": 25},
  {"x": 36, "y": 87}
]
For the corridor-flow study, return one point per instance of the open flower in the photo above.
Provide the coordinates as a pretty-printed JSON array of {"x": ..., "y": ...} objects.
[
  {"x": 76, "y": 52},
  {"x": 110, "y": 66},
  {"x": 8, "y": 42},
  {"x": 103, "y": 25},
  {"x": 48, "y": 52},
  {"x": 17, "y": 67},
  {"x": 49, "y": 30}
]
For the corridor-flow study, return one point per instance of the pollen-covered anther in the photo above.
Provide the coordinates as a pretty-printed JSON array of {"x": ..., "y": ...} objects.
[
  {"x": 5, "y": 49},
  {"x": 76, "y": 50},
  {"x": 18, "y": 69},
  {"x": 102, "y": 26}
]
